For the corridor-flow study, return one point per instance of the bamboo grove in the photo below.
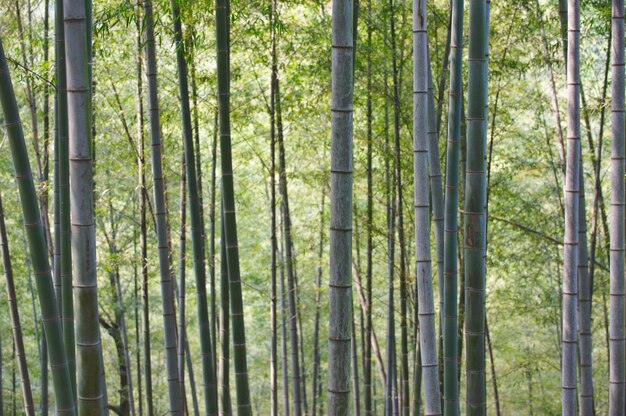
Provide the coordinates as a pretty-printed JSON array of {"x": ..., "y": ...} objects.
[{"x": 287, "y": 207}]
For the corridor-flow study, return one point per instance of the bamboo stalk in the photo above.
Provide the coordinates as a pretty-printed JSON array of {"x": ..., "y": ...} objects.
[
  {"x": 572, "y": 189},
  {"x": 222, "y": 18},
  {"x": 617, "y": 378},
  {"x": 340, "y": 282},
  {"x": 475, "y": 210},
  {"x": 167, "y": 295},
  {"x": 37, "y": 242}
]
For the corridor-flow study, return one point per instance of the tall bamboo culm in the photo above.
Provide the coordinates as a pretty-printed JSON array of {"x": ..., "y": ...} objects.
[
  {"x": 195, "y": 220},
  {"x": 274, "y": 245},
  {"x": 222, "y": 19},
  {"x": 16, "y": 326},
  {"x": 584, "y": 308},
  {"x": 426, "y": 307},
  {"x": 436, "y": 191},
  {"x": 340, "y": 279},
  {"x": 475, "y": 211},
  {"x": 169, "y": 324},
  {"x": 224, "y": 361},
  {"x": 617, "y": 345},
  {"x": 67, "y": 302},
  {"x": 88, "y": 347},
  {"x": 143, "y": 228},
  {"x": 292, "y": 295},
  {"x": 367, "y": 334},
  {"x": 450, "y": 284},
  {"x": 37, "y": 243},
  {"x": 570, "y": 256}
]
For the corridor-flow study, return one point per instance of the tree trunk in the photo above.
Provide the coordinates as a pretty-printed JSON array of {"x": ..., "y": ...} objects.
[
  {"x": 117, "y": 328},
  {"x": 570, "y": 258},
  {"x": 340, "y": 292},
  {"x": 222, "y": 19},
  {"x": 421, "y": 128},
  {"x": 156, "y": 149},
  {"x": 225, "y": 400},
  {"x": 391, "y": 408},
  {"x": 475, "y": 210},
  {"x": 212, "y": 219},
  {"x": 182, "y": 328},
  {"x": 367, "y": 341},
  {"x": 355, "y": 371},
  {"x": 450, "y": 284},
  {"x": 67, "y": 307},
  {"x": 37, "y": 242},
  {"x": 197, "y": 225},
  {"x": 20, "y": 352},
  {"x": 89, "y": 365},
  {"x": 616, "y": 368},
  {"x": 283, "y": 334},
  {"x": 584, "y": 307},
  {"x": 318, "y": 289},
  {"x": 289, "y": 263},
  {"x": 396, "y": 69},
  {"x": 496, "y": 395},
  {"x": 274, "y": 246}
]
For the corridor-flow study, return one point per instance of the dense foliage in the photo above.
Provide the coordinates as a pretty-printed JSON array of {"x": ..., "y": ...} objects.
[{"x": 525, "y": 181}]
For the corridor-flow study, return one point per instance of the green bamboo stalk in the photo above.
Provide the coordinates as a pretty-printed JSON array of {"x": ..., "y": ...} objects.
[
  {"x": 196, "y": 223},
  {"x": 475, "y": 211},
  {"x": 274, "y": 245},
  {"x": 37, "y": 242},
  {"x": 222, "y": 16},
  {"x": 182, "y": 327},
  {"x": 421, "y": 129},
  {"x": 136, "y": 308},
  {"x": 367, "y": 350},
  {"x": 318, "y": 286},
  {"x": 289, "y": 262},
  {"x": 192, "y": 380},
  {"x": 283, "y": 330},
  {"x": 356, "y": 405},
  {"x": 33, "y": 305},
  {"x": 33, "y": 112},
  {"x": 198, "y": 160},
  {"x": 387, "y": 381},
  {"x": 56, "y": 258},
  {"x": 212, "y": 218},
  {"x": 143, "y": 203},
  {"x": 563, "y": 6},
  {"x": 169, "y": 322},
  {"x": 451, "y": 226},
  {"x": 584, "y": 308},
  {"x": 90, "y": 386},
  {"x": 67, "y": 303},
  {"x": 397, "y": 81},
  {"x": 436, "y": 192},
  {"x": 617, "y": 378},
  {"x": 391, "y": 403},
  {"x": 572, "y": 189},
  {"x": 225, "y": 399},
  {"x": 187, "y": 355},
  {"x": 16, "y": 326},
  {"x": 340, "y": 279},
  {"x": 586, "y": 292},
  {"x": 46, "y": 136},
  {"x": 117, "y": 328}
]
